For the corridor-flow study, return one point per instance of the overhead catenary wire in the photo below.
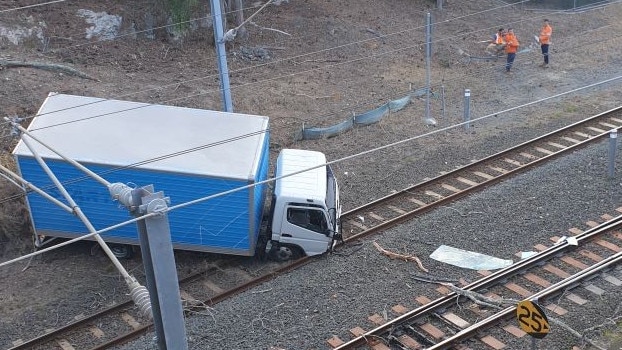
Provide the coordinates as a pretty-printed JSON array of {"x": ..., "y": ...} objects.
[
  {"x": 137, "y": 291},
  {"x": 303, "y": 55},
  {"x": 132, "y": 165},
  {"x": 243, "y": 85},
  {"x": 331, "y": 65},
  {"x": 360, "y": 154},
  {"x": 261, "y": 81},
  {"x": 278, "y": 61},
  {"x": 151, "y": 160},
  {"x": 31, "y": 6}
]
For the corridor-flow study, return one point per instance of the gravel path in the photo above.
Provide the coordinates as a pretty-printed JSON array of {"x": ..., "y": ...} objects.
[{"x": 302, "y": 309}]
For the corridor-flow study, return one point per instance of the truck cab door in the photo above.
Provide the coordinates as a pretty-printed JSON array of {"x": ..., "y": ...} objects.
[{"x": 306, "y": 227}]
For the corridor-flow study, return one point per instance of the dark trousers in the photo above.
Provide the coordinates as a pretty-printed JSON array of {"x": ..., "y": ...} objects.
[
  {"x": 545, "y": 52},
  {"x": 511, "y": 57}
]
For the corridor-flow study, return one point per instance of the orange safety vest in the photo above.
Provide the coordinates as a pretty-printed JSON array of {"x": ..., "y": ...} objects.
[
  {"x": 545, "y": 34},
  {"x": 512, "y": 43}
]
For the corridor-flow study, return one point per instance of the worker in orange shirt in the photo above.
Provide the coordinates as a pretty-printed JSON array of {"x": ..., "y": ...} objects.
[
  {"x": 545, "y": 41},
  {"x": 511, "y": 46}
]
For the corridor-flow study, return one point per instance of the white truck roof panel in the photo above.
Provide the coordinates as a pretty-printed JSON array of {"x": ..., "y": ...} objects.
[
  {"x": 121, "y": 133},
  {"x": 309, "y": 184}
]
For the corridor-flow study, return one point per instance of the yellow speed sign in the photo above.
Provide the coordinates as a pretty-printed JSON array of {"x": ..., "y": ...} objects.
[{"x": 531, "y": 319}]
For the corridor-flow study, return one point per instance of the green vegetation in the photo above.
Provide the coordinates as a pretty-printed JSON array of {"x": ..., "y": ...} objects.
[
  {"x": 13, "y": 211},
  {"x": 181, "y": 11},
  {"x": 569, "y": 108}
]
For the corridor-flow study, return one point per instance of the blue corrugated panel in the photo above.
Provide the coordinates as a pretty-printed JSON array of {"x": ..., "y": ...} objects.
[
  {"x": 227, "y": 224},
  {"x": 259, "y": 191}
]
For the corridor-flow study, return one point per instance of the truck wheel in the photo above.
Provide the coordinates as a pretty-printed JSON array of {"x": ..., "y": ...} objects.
[
  {"x": 284, "y": 253},
  {"x": 122, "y": 251}
]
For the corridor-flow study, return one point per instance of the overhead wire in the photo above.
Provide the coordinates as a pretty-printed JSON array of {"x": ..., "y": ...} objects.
[
  {"x": 324, "y": 67},
  {"x": 179, "y": 153},
  {"x": 31, "y": 6},
  {"x": 336, "y": 161},
  {"x": 263, "y": 81},
  {"x": 268, "y": 63},
  {"x": 239, "y": 86},
  {"x": 146, "y": 161}
]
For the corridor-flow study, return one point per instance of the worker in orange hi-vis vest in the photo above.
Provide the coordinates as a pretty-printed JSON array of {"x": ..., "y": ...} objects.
[
  {"x": 545, "y": 41},
  {"x": 497, "y": 44},
  {"x": 511, "y": 46}
]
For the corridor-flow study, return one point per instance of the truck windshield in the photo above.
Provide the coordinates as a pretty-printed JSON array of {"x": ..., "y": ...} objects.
[{"x": 332, "y": 197}]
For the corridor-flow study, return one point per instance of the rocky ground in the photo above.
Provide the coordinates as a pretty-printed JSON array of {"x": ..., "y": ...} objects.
[{"x": 306, "y": 62}]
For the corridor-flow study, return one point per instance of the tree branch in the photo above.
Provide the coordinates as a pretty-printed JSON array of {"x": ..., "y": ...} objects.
[{"x": 46, "y": 66}]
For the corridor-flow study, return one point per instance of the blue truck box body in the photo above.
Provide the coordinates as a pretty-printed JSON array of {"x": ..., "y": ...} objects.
[{"x": 185, "y": 153}]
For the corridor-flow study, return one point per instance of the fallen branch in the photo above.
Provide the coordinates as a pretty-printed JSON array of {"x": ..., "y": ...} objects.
[
  {"x": 378, "y": 35},
  {"x": 314, "y": 97},
  {"x": 46, "y": 66},
  {"x": 272, "y": 29},
  {"x": 611, "y": 321},
  {"x": 400, "y": 256},
  {"x": 373, "y": 32},
  {"x": 481, "y": 299}
]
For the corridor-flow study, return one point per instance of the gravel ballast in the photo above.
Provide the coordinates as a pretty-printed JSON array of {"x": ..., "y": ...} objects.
[
  {"x": 304, "y": 308},
  {"x": 353, "y": 72}
]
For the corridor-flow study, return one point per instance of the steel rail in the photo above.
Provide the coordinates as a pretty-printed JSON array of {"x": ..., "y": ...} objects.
[
  {"x": 212, "y": 301},
  {"x": 482, "y": 283},
  {"x": 491, "y": 157},
  {"x": 351, "y": 214},
  {"x": 548, "y": 292},
  {"x": 54, "y": 334}
]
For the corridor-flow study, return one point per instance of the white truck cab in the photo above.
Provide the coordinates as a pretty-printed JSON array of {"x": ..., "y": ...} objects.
[{"x": 305, "y": 208}]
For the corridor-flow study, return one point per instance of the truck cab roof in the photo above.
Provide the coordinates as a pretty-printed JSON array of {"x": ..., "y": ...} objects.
[{"x": 308, "y": 186}]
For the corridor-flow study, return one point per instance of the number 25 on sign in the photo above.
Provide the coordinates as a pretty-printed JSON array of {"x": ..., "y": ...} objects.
[{"x": 531, "y": 319}]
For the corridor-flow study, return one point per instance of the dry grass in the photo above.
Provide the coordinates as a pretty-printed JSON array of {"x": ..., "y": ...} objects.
[{"x": 14, "y": 221}]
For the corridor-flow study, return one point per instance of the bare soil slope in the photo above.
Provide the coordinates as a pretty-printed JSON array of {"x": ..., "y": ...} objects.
[{"x": 311, "y": 62}]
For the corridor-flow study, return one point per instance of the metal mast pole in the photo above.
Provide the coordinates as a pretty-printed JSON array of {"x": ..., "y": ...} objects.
[
  {"x": 221, "y": 52},
  {"x": 428, "y": 57},
  {"x": 160, "y": 268}
]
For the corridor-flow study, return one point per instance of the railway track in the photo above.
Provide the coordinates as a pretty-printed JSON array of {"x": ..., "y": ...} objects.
[
  {"x": 120, "y": 323},
  {"x": 458, "y": 320},
  {"x": 417, "y": 199}
]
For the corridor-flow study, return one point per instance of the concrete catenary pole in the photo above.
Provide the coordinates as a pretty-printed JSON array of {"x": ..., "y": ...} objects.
[{"x": 221, "y": 52}]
